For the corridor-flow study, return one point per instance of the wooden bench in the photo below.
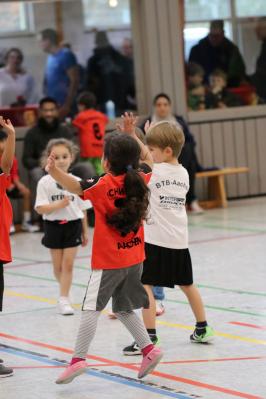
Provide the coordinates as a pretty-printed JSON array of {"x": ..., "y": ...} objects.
[{"x": 216, "y": 186}]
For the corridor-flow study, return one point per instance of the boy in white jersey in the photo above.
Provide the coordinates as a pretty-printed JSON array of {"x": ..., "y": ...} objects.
[{"x": 168, "y": 261}]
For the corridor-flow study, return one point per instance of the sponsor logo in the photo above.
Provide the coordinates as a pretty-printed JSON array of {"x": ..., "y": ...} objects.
[
  {"x": 171, "y": 202},
  {"x": 129, "y": 244},
  {"x": 58, "y": 197},
  {"x": 173, "y": 182}
]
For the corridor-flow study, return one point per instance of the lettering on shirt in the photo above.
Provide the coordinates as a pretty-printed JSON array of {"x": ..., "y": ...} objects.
[
  {"x": 115, "y": 192},
  {"x": 134, "y": 242},
  {"x": 164, "y": 183},
  {"x": 171, "y": 202},
  {"x": 57, "y": 197}
]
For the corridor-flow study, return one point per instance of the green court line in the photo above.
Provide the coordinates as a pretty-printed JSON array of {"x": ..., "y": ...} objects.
[
  {"x": 28, "y": 311},
  {"x": 220, "y": 308},
  {"x": 167, "y": 300},
  {"x": 236, "y": 291},
  {"x": 231, "y": 228}
]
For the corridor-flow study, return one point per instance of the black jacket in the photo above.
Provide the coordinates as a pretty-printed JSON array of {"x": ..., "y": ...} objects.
[{"x": 36, "y": 140}]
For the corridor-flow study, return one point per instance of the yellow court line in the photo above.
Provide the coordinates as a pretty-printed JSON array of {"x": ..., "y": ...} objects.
[{"x": 163, "y": 323}]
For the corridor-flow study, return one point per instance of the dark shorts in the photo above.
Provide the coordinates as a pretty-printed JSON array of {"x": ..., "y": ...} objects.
[
  {"x": 60, "y": 236},
  {"x": 1, "y": 285},
  {"x": 166, "y": 267},
  {"x": 122, "y": 285},
  {"x": 14, "y": 193}
]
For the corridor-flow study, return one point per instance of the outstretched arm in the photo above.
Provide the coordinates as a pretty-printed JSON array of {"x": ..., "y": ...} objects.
[
  {"x": 128, "y": 126},
  {"x": 65, "y": 180},
  {"x": 9, "y": 151}
]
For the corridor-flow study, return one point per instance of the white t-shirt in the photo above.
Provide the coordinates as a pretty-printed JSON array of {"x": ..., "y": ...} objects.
[
  {"x": 11, "y": 88},
  {"x": 48, "y": 191},
  {"x": 167, "y": 223}
]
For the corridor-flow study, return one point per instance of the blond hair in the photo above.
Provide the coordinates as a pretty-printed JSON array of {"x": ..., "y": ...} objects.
[
  {"x": 72, "y": 148},
  {"x": 166, "y": 134}
]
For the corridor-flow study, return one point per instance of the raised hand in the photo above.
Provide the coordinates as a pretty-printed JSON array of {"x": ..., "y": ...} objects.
[
  {"x": 148, "y": 125},
  {"x": 7, "y": 126},
  {"x": 50, "y": 165},
  {"x": 128, "y": 125}
]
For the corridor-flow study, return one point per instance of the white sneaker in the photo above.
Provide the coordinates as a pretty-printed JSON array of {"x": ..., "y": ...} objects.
[
  {"x": 30, "y": 228},
  {"x": 12, "y": 229},
  {"x": 160, "y": 309},
  {"x": 64, "y": 307},
  {"x": 195, "y": 208}
]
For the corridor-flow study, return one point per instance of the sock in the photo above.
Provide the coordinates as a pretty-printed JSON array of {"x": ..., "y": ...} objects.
[
  {"x": 76, "y": 360},
  {"x": 201, "y": 327},
  {"x": 147, "y": 349},
  {"x": 26, "y": 217},
  {"x": 152, "y": 334}
]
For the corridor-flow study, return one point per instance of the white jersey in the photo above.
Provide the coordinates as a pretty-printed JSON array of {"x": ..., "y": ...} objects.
[
  {"x": 48, "y": 191},
  {"x": 166, "y": 225}
]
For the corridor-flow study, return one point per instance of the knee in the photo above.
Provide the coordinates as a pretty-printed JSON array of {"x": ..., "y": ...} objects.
[{"x": 67, "y": 266}]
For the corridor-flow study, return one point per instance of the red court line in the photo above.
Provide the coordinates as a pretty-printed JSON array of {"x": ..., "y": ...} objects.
[
  {"x": 171, "y": 377},
  {"x": 59, "y": 366},
  {"x": 237, "y": 323}
]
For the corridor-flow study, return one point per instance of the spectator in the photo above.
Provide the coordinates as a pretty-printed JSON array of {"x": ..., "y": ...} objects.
[
  {"x": 216, "y": 51},
  {"x": 106, "y": 74},
  {"x": 16, "y": 85},
  {"x": 91, "y": 126},
  {"x": 259, "y": 77},
  {"x": 17, "y": 189},
  {"x": 196, "y": 89},
  {"x": 127, "y": 52},
  {"x": 188, "y": 158},
  {"x": 61, "y": 74}
]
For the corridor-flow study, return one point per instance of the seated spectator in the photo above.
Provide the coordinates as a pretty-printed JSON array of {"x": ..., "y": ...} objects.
[
  {"x": 218, "y": 95},
  {"x": 16, "y": 85},
  {"x": 258, "y": 79},
  {"x": 91, "y": 126},
  {"x": 163, "y": 112},
  {"x": 18, "y": 190},
  {"x": 48, "y": 127},
  {"x": 216, "y": 51},
  {"x": 196, "y": 89}
]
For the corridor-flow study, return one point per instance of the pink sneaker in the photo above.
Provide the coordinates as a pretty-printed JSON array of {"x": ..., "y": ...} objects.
[
  {"x": 160, "y": 309},
  {"x": 150, "y": 361},
  {"x": 71, "y": 372}
]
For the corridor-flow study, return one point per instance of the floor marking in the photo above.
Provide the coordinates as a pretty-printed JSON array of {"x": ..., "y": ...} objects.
[
  {"x": 165, "y": 323},
  {"x": 236, "y": 291},
  {"x": 155, "y": 373},
  {"x": 237, "y": 323},
  {"x": 114, "y": 377},
  {"x": 166, "y": 300},
  {"x": 228, "y": 228},
  {"x": 26, "y": 311}
]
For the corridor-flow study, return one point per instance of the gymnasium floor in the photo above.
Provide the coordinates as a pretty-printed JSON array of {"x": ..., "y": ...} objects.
[{"x": 228, "y": 250}]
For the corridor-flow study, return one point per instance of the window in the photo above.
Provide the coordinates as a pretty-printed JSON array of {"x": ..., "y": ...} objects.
[
  {"x": 245, "y": 9},
  {"x": 15, "y": 18},
  {"x": 204, "y": 10},
  {"x": 106, "y": 14}
]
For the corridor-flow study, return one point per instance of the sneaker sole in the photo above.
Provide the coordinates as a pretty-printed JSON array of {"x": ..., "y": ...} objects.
[
  {"x": 204, "y": 340},
  {"x": 151, "y": 366},
  {"x": 6, "y": 375},
  {"x": 132, "y": 353},
  {"x": 72, "y": 377}
]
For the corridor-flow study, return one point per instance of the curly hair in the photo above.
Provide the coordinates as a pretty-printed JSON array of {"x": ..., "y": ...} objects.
[{"x": 72, "y": 148}]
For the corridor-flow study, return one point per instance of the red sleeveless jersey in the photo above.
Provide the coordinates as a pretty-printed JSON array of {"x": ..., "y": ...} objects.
[
  {"x": 91, "y": 129},
  {"x": 5, "y": 219}
]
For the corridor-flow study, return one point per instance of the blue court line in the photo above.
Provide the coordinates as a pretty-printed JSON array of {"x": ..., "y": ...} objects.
[{"x": 98, "y": 374}]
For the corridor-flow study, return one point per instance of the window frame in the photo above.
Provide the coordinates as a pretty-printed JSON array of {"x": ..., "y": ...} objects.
[{"x": 30, "y": 27}]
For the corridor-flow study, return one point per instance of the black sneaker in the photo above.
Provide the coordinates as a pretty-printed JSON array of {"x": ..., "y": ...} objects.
[
  {"x": 134, "y": 349},
  {"x": 5, "y": 371},
  {"x": 1, "y": 361}
]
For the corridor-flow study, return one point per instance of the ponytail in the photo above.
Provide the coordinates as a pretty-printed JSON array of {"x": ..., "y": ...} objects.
[{"x": 123, "y": 152}]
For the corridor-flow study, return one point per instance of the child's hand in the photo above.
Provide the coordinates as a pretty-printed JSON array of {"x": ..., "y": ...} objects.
[
  {"x": 84, "y": 239},
  {"x": 63, "y": 203},
  {"x": 50, "y": 163},
  {"x": 7, "y": 126},
  {"x": 128, "y": 125},
  {"x": 148, "y": 125}
]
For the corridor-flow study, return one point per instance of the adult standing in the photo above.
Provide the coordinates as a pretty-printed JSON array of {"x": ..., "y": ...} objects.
[
  {"x": 61, "y": 78},
  {"x": 215, "y": 51},
  {"x": 16, "y": 84},
  {"x": 162, "y": 111},
  {"x": 127, "y": 52},
  {"x": 259, "y": 77}
]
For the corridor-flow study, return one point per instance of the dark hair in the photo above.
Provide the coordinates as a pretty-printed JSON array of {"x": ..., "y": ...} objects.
[
  {"x": 123, "y": 153},
  {"x": 194, "y": 69},
  {"x": 50, "y": 34},
  {"x": 161, "y": 95},
  {"x": 87, "y": 99},
  {"x": 3, "y": 135},
  {"x": 217, "y": 24},
  {"x": 47, "y": 100},
  {"x": 219, "y": 73},
  {"x": 15, "y": 50}
]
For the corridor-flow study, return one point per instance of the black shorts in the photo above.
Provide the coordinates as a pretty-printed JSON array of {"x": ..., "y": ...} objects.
[
  {"x": 1, "y": 285},
  {"x": 58, "y": 235},
  {"x": 14, "y": 193},
  {"x": 166, "y": 267}
]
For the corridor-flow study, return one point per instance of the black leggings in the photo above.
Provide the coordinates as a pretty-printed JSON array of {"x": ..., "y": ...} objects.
[
  {"x": 1, "y": 285},
  {"x": 188, "y": 159}
]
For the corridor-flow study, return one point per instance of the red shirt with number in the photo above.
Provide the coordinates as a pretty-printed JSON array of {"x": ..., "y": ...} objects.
[
  {"x": 5, "y": 219},
  {"x": 91, "y": 129},
  {"x": 111, "y": 250}
]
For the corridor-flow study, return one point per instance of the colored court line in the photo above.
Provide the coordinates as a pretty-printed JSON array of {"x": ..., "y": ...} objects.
[
  {"x": 237, "y": 323},
  {"x": 194, "y": 242},
  {"x": 167, "y": 376},
  {"x": 26, "y": 311},
  {"x": 219, "y": 308},
  {"x": 165, "y": 323},
  {"x": 228, "y": 228},
  {"x": 103, "y": 375},
  {"x": 236, "y": 291}
]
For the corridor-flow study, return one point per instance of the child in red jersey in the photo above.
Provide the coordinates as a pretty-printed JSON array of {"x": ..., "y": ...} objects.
[
  {"x": 120, "y": 199},
  {"x": 5, "y": 214},
  {"x": 91, "y": 126}
]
